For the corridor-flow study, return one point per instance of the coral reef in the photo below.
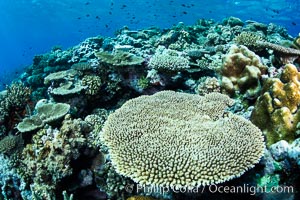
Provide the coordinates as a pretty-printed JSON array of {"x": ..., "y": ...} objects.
[
  {"x": 114, "y": 184},
  {"x": 276, "y": 111},
  {"x": 163, "y": 140},
  {"x": 95, "y": 81},
  {"x": 241, "y": 72}
]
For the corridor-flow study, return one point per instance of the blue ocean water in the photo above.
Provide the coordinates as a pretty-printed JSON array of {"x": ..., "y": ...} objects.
[{"x": 31, "y": 27}]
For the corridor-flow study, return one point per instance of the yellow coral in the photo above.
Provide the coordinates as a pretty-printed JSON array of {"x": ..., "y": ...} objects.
[{"x": 276, "y": 111}]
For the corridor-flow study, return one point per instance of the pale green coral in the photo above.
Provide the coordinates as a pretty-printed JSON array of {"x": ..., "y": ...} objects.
[
  {"x": 59, "y": 76},
  {"x": 119, "y": 58}
]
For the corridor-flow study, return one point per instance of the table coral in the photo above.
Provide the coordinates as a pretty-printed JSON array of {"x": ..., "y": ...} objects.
[
  {"x": 46, "y": 113},
  {"x": 119, "y": 58},
  {"x": 241, "y": 72},
  {"x": 276, "y": 111},
  {"x": 181, "y": 140}
]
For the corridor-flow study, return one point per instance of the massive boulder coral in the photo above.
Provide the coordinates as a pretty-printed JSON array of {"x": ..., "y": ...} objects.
[
  {"x": 181, "y": 140},
  {"x": 241, "y": 72},
  {"x": 276, "y": 111}
]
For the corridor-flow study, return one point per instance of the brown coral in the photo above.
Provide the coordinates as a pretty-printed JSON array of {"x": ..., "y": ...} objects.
[
  {"x": 276, "y": 111},
  {"x": 181, "y": 140},
  {"x": 92, "y": 84},
  {"x": 241, "y": 71}
]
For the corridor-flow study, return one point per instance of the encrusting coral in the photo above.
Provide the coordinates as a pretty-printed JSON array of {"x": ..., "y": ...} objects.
[
  {"x": 276, "y": 111},
  {"x": 241, "y": 72},
  {"x": 181, "y": 140}
]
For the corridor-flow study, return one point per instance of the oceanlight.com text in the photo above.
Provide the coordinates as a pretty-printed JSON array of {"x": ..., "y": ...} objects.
[{"x": 221, "y": 189}]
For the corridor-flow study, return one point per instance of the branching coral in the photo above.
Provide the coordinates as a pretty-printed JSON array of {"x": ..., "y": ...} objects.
[
  {"x": 169, "y": 60},
  {"x": 181, "y": 140},
  {"x": 92, "y": 84},
  {"x": 10, "y": 143},
  {"x": 276, "y": 111},
  {"x": 208, "y": 85},
  {"x": 13, "y": 105}
]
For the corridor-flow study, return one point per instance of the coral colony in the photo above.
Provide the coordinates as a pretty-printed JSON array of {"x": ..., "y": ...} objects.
[{"x": 190, "y": 108}]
